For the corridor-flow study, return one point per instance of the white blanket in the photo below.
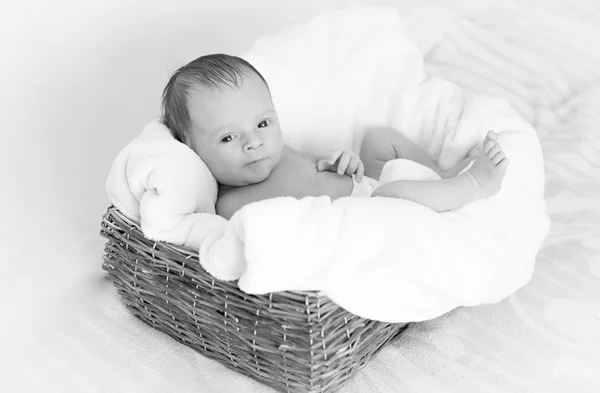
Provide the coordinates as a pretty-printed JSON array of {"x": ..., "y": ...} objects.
[
  {"x": 384, "y": 259},
  {"x": 165, "y": 186}
]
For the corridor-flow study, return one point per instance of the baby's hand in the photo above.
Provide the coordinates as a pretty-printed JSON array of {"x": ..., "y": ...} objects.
[{"x": 344, "y": 162}]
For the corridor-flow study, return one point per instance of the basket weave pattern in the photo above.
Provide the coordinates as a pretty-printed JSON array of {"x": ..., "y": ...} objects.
[{"x": 292, "y": 341}]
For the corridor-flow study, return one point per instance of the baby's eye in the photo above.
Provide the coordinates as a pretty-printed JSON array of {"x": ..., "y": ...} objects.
[
  {"x": 227, "y": 138},
  {"x": 263, "y": 124}
]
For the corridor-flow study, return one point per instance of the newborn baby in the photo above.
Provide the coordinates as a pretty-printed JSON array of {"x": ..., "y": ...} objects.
[{"x": 221, "y": 107}]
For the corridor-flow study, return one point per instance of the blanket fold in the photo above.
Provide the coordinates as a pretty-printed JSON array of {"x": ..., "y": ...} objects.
[{"x": 162, "y": 184}]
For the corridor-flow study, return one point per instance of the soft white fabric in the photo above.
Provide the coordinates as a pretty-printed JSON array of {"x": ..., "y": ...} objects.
[
  {"x": 385, "y": 259},
  {"x": 364, "y": 187},
  {"x": 162, "y": 184},
  {"x": 402, "y": 169}
]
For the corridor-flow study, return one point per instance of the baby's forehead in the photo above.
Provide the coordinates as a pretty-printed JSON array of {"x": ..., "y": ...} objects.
[{"x": 250, "y": 93}]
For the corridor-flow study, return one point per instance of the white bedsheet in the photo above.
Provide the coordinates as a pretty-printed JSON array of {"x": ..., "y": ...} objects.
[{"x": 544, "y": 338}]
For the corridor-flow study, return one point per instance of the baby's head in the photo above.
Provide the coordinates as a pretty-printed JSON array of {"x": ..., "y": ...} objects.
[{"x": 221, "y": 107}]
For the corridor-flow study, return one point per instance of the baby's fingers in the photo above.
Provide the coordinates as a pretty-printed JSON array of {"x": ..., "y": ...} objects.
[
  {"x": 360, "y": 171},
  {"x": 334, "y": 157},
  {"x": 353, "y": 167},
  {"x": 343, "y": 164},
  {"x": 323, "y": 165}
]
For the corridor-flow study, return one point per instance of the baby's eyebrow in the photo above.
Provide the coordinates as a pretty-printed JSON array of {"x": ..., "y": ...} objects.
[{"x": 219, "y": 130}]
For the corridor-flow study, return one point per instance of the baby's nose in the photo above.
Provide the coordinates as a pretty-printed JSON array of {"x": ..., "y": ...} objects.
[{"x": 254, "y": 143}]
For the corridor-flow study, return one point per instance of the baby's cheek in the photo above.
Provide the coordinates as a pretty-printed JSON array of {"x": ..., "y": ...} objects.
[{"x": 225, "y": 173}]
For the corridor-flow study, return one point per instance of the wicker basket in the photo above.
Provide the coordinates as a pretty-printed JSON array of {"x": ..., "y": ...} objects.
[{"x": 292, "y": 341}]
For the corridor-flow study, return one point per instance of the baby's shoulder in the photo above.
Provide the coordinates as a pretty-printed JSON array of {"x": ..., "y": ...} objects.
[{"x": 229, "y": 201}]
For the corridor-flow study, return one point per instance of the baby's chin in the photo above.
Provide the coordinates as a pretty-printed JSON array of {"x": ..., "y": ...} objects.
[
  {"x": 249, "y": 175},
  {"x": 257, "y": 173}
]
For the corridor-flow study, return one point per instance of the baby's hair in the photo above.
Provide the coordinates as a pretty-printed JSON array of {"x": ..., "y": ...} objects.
[{"x": 211, "y": 71}]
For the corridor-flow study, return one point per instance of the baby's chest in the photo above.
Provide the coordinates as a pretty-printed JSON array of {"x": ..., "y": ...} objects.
[
  {"x": 294, "y": 177},
  {"x": 298, "y": 179}
]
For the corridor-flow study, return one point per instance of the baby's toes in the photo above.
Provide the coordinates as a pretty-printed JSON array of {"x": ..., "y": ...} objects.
[
  {"x": 494, "y": 150},
  {"x": 503, "y": 164},
  {"x": 488, "y": 147},
  {"x": 488, "y": 139},
  {"x": 498, "y": 157}
]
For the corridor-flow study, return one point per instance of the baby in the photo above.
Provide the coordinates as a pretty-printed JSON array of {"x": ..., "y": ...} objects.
[{"x": 221, "y": 107}]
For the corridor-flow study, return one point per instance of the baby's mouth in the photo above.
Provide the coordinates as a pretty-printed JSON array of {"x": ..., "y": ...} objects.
[{"x": 256, "y": 161}]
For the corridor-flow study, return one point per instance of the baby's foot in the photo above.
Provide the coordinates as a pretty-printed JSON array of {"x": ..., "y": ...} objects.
[
  {"x": 488, "y": 170},
  {"x": 458, "y": 168}
]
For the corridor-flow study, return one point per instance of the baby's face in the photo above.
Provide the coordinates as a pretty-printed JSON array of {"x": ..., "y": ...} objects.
[{"x": 236, "y": 131}]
